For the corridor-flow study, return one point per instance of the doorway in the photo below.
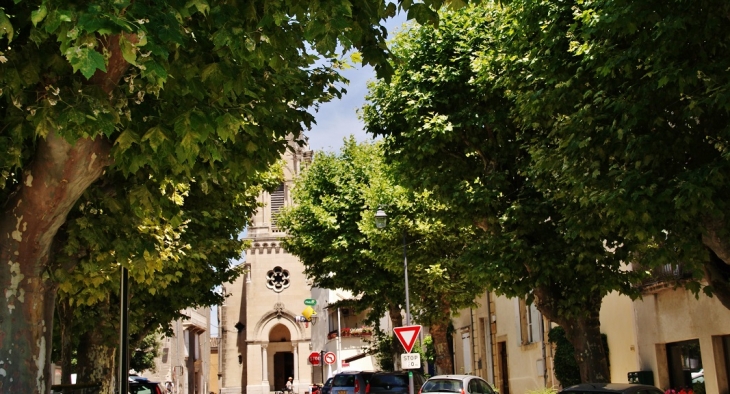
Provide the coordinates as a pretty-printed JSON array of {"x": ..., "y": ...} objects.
[
  {"x": 503, "y": 368},
  {"x": 283, "y": 369}
]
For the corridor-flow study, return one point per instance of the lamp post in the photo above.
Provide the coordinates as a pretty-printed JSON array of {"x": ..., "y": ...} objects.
[{"x": 381, "y": 220}]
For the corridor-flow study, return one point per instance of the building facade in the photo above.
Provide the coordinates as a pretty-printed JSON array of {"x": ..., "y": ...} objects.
[
  {"x": 669, "y": 338},
  {"x": 183, "y": 364}
]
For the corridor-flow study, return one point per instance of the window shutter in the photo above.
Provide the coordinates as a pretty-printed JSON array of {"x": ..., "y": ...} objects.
[{"x": 278, "y": 197}]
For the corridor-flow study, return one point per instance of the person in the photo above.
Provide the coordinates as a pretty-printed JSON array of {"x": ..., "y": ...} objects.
[{"x": 289, "y": 387}]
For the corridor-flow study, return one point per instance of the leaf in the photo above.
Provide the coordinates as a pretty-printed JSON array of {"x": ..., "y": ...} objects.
[
  {"x": 126, "y": 139},
  {"x": 38, "y": 15},
  {"x": 129, "y": 50},
  {"x": 6, "y": 28},
  {"x": 155, "y": 136},
  {"x": 85, "y": 59},
  {"x": 201, "y": 5}
]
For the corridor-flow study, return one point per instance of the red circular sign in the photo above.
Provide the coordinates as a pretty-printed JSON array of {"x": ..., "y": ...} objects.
[
  {"x": 330, "y": 358},
  {"x": 314, "y": 358}
]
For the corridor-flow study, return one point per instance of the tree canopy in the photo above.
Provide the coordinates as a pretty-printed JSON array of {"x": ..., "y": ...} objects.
[
  {"x": 579, "y": 136},
  {"x": 331, "y": 228},
  {"x": 166, "y": 93},
  {"x": 448, "y": 132}
]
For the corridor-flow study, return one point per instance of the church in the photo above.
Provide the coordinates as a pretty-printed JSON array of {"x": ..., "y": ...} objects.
[{"x": 261, "y": 343}]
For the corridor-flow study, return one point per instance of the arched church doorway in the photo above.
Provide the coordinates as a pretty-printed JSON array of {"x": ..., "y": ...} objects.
[{"x": 280, "y": 343}]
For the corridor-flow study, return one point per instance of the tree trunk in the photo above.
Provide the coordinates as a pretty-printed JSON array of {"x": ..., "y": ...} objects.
[
  {"x": 65, "y": 320},
  {"x": 96, "y": 361},
  {"x": 717, "y": 270},
  {"x": 584, "y": 333},
  {"x": 395, "y": 315},
  {"x": 59, "y": 174},
  {"x": 717, "y": 274},
  {"x": 444, "y": 362}
]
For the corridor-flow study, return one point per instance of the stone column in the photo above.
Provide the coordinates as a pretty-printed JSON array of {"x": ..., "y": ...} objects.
[
  {"x": 295, "y": 348},
  {"x": 265, "y": 365}
]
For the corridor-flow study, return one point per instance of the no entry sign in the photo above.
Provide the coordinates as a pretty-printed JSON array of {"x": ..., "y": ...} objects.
[{"x": 330, "y": 358}]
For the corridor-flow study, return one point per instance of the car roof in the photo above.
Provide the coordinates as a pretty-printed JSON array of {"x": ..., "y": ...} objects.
[
  {"x": 460, "y": 377},
  {"x": 353, "y": 372},
  {"x": 608, "y": 387}
]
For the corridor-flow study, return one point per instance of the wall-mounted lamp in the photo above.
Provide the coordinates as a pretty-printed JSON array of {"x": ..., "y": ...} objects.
[
  {"x": 240, "y": 326},
  {"x": 240, "y": 359}
]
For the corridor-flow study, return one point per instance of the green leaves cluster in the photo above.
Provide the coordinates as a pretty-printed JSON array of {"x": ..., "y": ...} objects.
[
  {"x": 332, "y": 230},
  {"x": 576, "y": 136}
]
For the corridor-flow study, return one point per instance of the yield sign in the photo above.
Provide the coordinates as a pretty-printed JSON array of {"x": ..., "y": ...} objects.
[{"x": 407, "y": 336}]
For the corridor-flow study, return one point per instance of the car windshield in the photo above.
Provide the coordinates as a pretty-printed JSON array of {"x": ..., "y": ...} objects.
[
  {"x": 442, "y": 386},
  {"x": 389, "y": 381},
  {"x": 344, "y": 381}
]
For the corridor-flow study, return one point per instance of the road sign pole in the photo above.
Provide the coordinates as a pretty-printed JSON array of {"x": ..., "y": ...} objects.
[{"x": 410, "y": 382}]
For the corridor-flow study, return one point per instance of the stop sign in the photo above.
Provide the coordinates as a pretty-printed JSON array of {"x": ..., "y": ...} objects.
[{"x": 314, "y": 358}]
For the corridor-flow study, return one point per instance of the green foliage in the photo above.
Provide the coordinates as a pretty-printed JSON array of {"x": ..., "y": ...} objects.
[
  {"x": 544, "y": 390},
  {"x": 565, "y": 366},
  {"x": 332, "y": 231},
  {"x": 385, "y": 349},
  {"x": 143, "y": 356}
]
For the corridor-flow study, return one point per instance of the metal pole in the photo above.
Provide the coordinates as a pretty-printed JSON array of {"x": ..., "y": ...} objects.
[
  {"x": 339, "y": 342},
  {"x": 411, "y": 388},
  {"x": 405, "y": 270},
  {"x": 124, "y": 332}
]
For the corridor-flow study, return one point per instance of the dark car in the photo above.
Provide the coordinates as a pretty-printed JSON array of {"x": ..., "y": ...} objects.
[
  {"x": 464, "y": 384},
  {"x": 327, "y": 387},
  {"x": 611, "y": 388},
  {"x": 393, "y": 383},
  {"x": 350, "y": 382},
  {"x": 140, "y": 385}
]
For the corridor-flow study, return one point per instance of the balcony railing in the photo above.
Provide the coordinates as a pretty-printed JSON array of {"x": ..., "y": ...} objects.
[
  {"x": 352, "y": 332},
  {"x": 663, "y": 277}
]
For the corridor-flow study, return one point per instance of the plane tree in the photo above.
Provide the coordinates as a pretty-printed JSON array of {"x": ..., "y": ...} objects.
[
  {"x": 629, "y": 106},
  {"x": 447, "y": 131},
  {"x": 162, "y": 88},
  {"x": 176, "y": 253},
  {"x": 331, "y": 228}
]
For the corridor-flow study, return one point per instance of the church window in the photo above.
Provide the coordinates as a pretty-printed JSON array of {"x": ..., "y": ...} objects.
[{"x": 277, "y": 279}]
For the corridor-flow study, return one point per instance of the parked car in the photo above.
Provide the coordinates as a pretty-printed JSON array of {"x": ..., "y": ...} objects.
[
  {"x": 393, "y": 383},
  {"x": 465, "y": 384},
  {"x": 140, "y": 385},
  {"x": 611, "y": 388},
  {"x": 326, "y": 387},
  {"x": 350, "y": 382}
]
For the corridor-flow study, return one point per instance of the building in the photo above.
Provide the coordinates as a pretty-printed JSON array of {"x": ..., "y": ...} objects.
[
  {"x": 183, "y": 363},
  {"x": 668, "y": 338},
  {"x": 261, "y": 343}
]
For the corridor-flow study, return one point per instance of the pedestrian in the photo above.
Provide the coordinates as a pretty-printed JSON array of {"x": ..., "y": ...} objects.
[{"x": 289, "y": 387}]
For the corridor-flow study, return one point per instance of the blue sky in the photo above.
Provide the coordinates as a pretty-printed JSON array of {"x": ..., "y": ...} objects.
[{"x": 338, "y": 119}]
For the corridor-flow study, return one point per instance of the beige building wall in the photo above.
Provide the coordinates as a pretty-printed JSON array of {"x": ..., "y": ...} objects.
[
  {"x": 184, "y": 358},
  {"x": 667, "y": 315},
  {"x": 488, "y": 342},
  {"x": 619, "y": 324},
  {"x": 213, "y": 375}
]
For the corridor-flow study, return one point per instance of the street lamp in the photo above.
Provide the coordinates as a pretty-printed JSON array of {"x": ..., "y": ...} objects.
[{"x": 381, "y": 220}]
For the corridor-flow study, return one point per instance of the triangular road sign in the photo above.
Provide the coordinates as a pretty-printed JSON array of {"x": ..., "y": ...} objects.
[{"x": 407, "y": 336}]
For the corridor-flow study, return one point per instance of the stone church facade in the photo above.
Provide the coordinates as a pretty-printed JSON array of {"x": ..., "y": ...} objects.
[{"x": 261, "y": 344}]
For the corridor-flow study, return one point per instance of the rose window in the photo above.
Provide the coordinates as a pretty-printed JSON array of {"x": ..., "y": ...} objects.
[{"x": 277, "y": 279}]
